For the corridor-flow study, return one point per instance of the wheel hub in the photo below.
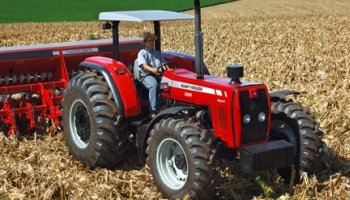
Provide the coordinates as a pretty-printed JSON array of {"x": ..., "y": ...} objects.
[
  {"x": 82, "y": 123},
  {"x": 172, "y": 163},
  {"x": 79, "y": 124},
  {"x": 180, "y": 161}
]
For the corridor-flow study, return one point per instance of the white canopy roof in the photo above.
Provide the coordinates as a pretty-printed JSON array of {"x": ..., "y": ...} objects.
[{"x": 144, "y": 16}]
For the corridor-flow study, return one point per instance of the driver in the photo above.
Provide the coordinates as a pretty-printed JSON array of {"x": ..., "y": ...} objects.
[{"x": 149, "y": 61}]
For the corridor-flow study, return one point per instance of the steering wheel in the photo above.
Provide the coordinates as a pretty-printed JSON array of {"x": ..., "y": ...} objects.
[{"x": 164, "y": 64}]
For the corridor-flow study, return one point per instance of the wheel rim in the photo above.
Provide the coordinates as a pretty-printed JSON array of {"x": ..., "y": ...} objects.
[
  {"x": 172, "y": 164},
  {"x": 79, "y": 121},
  {"x": 284, "y": 131}
]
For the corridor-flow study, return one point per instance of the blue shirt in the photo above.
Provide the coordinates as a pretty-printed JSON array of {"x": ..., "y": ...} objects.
[{"x": 153, "y": 58}]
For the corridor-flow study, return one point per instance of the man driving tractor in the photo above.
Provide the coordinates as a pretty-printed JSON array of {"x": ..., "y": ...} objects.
[{"x": 149, "y": 61}]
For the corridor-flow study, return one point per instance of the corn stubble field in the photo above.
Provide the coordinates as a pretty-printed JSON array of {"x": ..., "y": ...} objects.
[{"x": 299, "y": 45}]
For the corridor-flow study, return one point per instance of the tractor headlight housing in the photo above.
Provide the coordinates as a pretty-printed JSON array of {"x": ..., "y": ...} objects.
[
  {"x": 262, "y": 117},
  {"x": 246, "y": 118}
]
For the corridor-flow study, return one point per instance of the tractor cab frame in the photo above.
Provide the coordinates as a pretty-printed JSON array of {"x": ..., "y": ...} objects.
[{"x": 154, "y": 16}]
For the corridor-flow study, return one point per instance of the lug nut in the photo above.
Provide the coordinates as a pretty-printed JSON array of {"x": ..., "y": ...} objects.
[{"x": 170, "y": 162}]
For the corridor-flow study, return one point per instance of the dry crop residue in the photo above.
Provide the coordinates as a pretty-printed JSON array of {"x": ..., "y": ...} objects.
[{"x": 304, "y": 52}]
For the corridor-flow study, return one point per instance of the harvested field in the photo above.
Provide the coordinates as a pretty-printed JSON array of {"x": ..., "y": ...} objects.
[{"x": 294, "y": 45}]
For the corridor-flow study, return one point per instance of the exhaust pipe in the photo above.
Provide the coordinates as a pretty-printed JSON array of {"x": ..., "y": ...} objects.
[{"x": 198, "y": 41}]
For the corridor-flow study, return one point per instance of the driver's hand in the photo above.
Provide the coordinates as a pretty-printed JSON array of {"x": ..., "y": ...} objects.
[{"x": 154, "y": 70}]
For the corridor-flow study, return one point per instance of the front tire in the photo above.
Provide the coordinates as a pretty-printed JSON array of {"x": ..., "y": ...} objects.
[
  {"x": 294, "y": 123},
  {"x": 90, "y": 122},
  {"x": 179, "y": 160}
]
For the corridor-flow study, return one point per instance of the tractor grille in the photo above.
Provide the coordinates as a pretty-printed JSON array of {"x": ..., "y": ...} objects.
[
  {"x": 222, "y": 119},
  {"x": 255, "y": 130}
]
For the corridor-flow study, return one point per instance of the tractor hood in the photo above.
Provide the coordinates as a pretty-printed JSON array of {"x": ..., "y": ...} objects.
[{"x": 186, "y": 87}]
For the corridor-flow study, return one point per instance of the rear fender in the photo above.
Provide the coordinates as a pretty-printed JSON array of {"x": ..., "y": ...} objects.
[
  {"x": 277, "y": 95},
  {"x": 122, "y": 86}
]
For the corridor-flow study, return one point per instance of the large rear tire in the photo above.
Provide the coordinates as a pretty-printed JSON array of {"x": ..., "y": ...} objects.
[
  {"x": 294, "y": 123},
  {"x": 90, "y": 122},
  {"x": 179, "y": 160}
]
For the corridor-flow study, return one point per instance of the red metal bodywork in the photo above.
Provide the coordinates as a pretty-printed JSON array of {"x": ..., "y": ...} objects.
[
  {"x": 39, "y": 73},
  {"x": 216, "y": 93}
]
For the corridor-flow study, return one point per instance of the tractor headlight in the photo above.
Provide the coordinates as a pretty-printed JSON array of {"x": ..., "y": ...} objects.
[
  {"x": 261, "y": 117},
  {"x": 246, "y": 118}
]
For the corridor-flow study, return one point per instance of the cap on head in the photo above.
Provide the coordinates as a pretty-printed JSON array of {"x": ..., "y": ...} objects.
[{"x": 147, "y": 35}]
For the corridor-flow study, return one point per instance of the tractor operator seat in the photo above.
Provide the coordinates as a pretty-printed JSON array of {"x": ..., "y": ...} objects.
[
  {"x": 136, "y": 71},
  {"x": 140, "y": 86}
]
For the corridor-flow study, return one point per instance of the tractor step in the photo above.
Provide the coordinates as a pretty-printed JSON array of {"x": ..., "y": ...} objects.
[{"x": 140, "y": 122}]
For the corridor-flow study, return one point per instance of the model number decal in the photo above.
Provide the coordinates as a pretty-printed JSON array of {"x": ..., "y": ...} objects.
[{"x": 188, "y": 94}]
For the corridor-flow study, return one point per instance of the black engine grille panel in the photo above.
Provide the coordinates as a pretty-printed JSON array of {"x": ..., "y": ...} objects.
[{"x": 255, "y": 130}]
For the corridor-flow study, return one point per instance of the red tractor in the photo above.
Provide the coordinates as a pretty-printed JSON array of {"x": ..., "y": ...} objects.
[{"x": 93, "y": 87}]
